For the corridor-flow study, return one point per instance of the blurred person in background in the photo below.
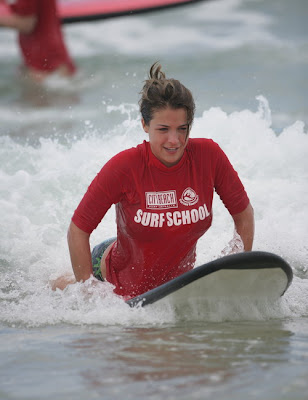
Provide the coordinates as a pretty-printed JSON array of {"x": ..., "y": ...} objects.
[{"x": 40, "y": 38}]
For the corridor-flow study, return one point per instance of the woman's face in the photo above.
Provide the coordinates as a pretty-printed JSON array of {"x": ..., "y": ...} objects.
[{"x": 168, "y": 134}]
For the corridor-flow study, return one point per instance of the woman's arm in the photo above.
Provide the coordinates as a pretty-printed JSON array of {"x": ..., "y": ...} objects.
[
  {"x": 79, "y": 247},
  {"x": 244, "y": 225},
  {"x": 24, "y": 24}
]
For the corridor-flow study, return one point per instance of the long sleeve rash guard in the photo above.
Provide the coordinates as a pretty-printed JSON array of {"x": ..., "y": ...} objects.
[{"x": 161, "y": 212}]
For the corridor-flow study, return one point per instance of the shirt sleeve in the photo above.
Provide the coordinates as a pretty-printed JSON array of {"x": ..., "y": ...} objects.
[
  {"x": 25, "y": 7},
  {"x": 228, "y": 184},
  {"x": 106, "y": 189}
]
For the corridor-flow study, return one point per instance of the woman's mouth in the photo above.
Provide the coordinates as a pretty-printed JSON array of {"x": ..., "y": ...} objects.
[{"x": 171, "y": 149}]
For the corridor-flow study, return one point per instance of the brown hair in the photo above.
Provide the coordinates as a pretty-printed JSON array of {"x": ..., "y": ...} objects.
[{"x": 159, "y": 92}]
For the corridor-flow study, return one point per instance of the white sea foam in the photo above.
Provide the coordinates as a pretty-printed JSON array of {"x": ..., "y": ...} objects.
[{"x": 156, "y": 34}]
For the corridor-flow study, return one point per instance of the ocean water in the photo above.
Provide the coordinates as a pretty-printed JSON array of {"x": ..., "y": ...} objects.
[{"x": 246, "y": 64}]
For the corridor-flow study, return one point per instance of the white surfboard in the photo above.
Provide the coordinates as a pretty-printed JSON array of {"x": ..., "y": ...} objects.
[{"x": 252, "y": 275}]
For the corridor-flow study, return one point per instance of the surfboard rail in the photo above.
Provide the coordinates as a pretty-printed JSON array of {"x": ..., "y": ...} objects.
[
  {"x": 72, "y": 11},
  {"x": 242, "y": 261}
]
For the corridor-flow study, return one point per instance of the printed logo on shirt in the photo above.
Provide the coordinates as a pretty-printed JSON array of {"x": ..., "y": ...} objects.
[
  {"x": 189, "y": 197},
  {"x": 161, "y": 200},
  {"x": 175, "y": 218}
]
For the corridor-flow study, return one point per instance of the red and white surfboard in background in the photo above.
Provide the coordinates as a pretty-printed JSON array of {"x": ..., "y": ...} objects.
[{"x": 71, "y": 11}]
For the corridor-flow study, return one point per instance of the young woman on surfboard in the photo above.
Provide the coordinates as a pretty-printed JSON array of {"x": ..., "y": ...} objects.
[
  {"x": 40, "y": 38},
  {"x": 163, "y": 192}
]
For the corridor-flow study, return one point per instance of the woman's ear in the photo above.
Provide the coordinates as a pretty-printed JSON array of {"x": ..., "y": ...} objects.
[{"x": 144, "y": 125}]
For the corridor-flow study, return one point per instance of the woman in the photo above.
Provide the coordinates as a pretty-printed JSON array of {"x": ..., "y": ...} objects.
[{"x": 163, "y": 191}]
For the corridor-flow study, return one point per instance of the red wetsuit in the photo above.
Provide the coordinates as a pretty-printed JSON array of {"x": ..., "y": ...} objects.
[
  {"x": 44, "y": 48},
  {"x": 161, "y": 211}
]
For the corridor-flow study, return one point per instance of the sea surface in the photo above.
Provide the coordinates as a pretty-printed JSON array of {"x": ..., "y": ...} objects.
[{"x": 246, "y": 62}]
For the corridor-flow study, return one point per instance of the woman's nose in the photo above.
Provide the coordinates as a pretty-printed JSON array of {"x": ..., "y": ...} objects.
[{"x": 173, "y": 137}]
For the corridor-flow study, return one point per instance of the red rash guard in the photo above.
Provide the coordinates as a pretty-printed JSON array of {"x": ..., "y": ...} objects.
[
  {"x": 161, "y": 211},
  {"x": 44, "y": 48}
]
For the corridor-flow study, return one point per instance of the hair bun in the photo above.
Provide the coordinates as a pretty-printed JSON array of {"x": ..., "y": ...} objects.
[{"x": 156, "y": 72}]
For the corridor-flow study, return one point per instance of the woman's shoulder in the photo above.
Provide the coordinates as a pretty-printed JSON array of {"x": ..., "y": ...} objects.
[
  {"x": 129, "y": 158},
  {"x": 205, "y": 152},
  {"x": 203, "y": 144}
]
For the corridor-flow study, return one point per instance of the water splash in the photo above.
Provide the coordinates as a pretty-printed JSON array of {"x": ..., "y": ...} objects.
[{"x": 41, "y": 186}]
